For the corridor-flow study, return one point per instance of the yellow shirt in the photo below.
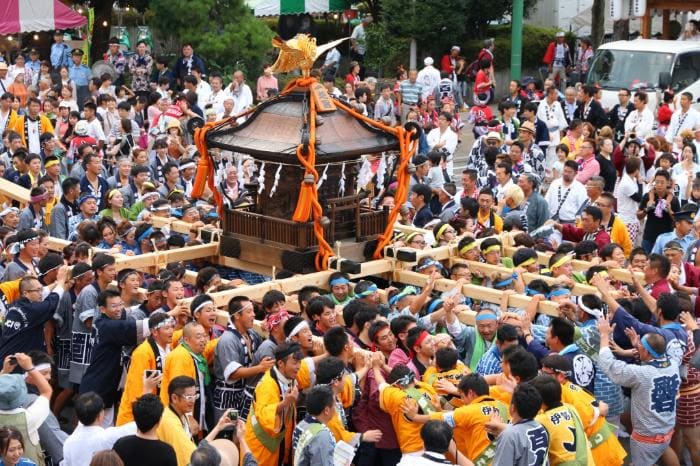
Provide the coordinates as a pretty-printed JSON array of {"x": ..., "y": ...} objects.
[
  {"x": 469, "y": 423},
  {"x": 407, "y": 433},
  {"x": 562, "y": 429},
  {"x": 17, "y": 125},
  {"x": 209, "y": 349},
  {"x": 610, "y": 452},
  {"x": 264, "y": 410},
  {"x": 142, "y": 359},
  {"x": 431, "y": 376},
  {"x": 178, "y": 362},
  {"x": 498, "y": 221},
  {"x": 171, "y": 431}
]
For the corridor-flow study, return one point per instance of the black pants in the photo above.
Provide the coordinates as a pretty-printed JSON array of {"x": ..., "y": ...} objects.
[{"x": 369, "y": 455}]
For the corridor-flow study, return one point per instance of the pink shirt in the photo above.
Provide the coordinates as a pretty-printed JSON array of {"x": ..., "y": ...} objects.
[
  {"x": 587, "y": 169},
  {"x": 265, "y": 83}
]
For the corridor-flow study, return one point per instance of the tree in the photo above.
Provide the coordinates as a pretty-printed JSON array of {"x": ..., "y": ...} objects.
[
  {"x": 225, "y": 32},
  {"x": 479, "y": 14},
  {"x": 597, "y": 22}
]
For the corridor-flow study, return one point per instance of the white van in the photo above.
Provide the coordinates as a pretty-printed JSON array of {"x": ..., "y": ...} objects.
[{"x": 646, "y": 64}]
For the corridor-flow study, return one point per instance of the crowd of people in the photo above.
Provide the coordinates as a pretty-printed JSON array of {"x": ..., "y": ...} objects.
[{"x": 111, "y": 367}]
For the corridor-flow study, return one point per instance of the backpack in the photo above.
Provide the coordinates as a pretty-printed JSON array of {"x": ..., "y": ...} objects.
[{"x": 472, "y": 70}]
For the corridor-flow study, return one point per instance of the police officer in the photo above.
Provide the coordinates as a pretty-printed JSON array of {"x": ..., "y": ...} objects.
[
  {"x": 60, "y": 51},
  {"x": 80, "y": 75}
]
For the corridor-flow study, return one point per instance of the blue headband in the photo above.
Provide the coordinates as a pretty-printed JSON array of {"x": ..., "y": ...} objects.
[
  {"x": 143, "y": 235},
  {"x": 507, "y": 281},
  {"x": 406, "y": 379},
  {"x": 339, "y": 281},
  {"x": 530, "y": 292},
  {"x": 559, "y": 292},
  {"x": 368, "y": 291},
  {"x": 408, "y": 291},
  {"x": 427, "y": 264},
  {"x": 648, "y": 347},
  {"x": 85, "y": 198},
  {"x": 434, "y": 305},
  {"x": 486, "y": 316}
]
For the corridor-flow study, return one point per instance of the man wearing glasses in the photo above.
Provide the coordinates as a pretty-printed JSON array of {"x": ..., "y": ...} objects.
[
  {"x": 588, "y": 165},
  {"x": 23, "y": 330}
]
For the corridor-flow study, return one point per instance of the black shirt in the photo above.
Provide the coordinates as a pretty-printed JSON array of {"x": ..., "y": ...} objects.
[
  {"x": 136, "y": 451},
  {"x": 608, "y": 172},
  {"x": 657, "y": 225}
]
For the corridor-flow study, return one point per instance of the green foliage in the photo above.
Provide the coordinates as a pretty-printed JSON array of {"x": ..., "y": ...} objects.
[
  {"x": 385, "y": 51},
  {"x": 432, "y": 23},
  {"x": 535, "y": 42},
  {"x": 478, "y": 14},
  {"x": 223, "y": 31}
]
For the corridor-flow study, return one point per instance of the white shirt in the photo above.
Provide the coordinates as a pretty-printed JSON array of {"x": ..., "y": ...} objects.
[
  {"x": 681, "y": 121},
  {"x": 216, "y": 99},
  {"x": 449, "y": 136},
  {"x": 553, "y": 116},
  {"x": 429, "y": 78},
  {"x": 5, "y": 83},
  {"x": 641, "y": 123},
  {"x": 333, "y": 56},
  {"x": 95, "y": 130},
  {"x": 85, "y": 441},
  {"x": 203, "y": 91},
  {"x": 627, "y": 207},
  {"x": 570, "y": 204},
  {"x": 33, "y": 143},
  {"x": 501, "y": 190},
  {"x": 242, "y": 99}
]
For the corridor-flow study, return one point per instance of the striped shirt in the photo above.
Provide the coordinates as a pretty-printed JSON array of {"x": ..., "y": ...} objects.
[
  {"x": 410, "y": 92},
  {"x": 490, "y": 362}
]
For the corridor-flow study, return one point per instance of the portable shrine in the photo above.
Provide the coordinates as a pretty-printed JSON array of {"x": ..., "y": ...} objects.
[{"x": 309, "y": 147}]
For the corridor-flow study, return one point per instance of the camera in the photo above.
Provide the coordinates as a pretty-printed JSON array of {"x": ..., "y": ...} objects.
[
  {"x": 633, "y": 135},
  {"x": 233, "y": 415},
  {"x": 151, "y": 372}
]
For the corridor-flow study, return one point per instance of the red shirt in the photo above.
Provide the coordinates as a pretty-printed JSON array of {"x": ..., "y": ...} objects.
[
  {"x": 659, "y": 287},
  {"x": 573, "y": 233},
  {"x": 479, "y": 83}
]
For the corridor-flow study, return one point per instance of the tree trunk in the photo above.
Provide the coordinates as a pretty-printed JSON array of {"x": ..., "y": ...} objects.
[
  {"x": 100, "y": 33},
  {"x": 621, "y": 30},
  {"x": 597, "y": 22}
]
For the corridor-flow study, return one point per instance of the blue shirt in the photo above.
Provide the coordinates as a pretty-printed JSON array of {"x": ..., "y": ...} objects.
[
  {"x": 80, "y": 74},
  {"x": 60, "y": 54},
  {"x": 664, "y": 238},
  {"x": 490, "y": 362},
  {"x": 22, "y": 462},
  {"x": 35, "y": 66}
]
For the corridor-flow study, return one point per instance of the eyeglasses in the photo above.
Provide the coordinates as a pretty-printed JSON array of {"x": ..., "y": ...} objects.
[
  {"x": 190, "y": 397},
  {"x": 421, "y": 242},
  {"x": 34, "y": 290}
]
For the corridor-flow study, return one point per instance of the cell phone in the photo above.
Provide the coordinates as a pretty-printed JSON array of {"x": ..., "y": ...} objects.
[
  {"x": 233, "y": 415},
  {"x": 13, "y": 360},
  {"x": 151, "y": 372}
]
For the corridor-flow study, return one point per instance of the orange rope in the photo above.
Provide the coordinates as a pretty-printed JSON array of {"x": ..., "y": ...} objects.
[
  {"x": 406, "y": 150},
  {"x": 307, "y": 204}
]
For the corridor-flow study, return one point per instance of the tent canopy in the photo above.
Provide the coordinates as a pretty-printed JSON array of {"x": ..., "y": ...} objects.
[
  {"x": 295, "y": 7},
  {"x": 37, "y": 15}
]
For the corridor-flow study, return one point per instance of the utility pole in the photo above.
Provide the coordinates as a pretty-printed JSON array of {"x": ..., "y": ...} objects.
[{"x": 516, "y": 40}]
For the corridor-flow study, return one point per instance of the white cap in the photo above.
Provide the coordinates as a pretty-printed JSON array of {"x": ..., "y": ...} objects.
[
  {"x": 560, "y": 34},
  {"x": 456, "y": 47},
  {"x": 81, "y": 128},
  {"x": 428, "y": 61}
]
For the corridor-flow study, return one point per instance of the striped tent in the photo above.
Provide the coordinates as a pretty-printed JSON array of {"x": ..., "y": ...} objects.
[
  {"x": 37, "y": 15},
  {"x": 295, "y": 7}
]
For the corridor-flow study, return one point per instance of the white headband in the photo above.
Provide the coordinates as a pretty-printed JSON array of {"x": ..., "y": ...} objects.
[
  {"x": 300, "y": 326},
  {"x": 205, "y": 303},
  {"x": 448, "y": 194},
  {"x": 187, "y": 165},
  {"x": 597, "y": 313}
]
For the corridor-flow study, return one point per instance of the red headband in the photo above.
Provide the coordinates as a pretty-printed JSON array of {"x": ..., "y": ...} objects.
[
  {"x": 423, "y": 335},
  {"x": 273, "y": 320}
]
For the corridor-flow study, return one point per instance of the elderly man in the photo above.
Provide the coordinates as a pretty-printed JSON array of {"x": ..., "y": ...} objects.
[
  {"x": 537, "y": 209},
  {"x": 241, "y": 93}
]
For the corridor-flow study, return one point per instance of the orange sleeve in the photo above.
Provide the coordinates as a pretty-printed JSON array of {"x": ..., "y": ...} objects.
[
  {"x": 304, "y": 375},
  {"x": 176, "y": 363},
  {"x": 338, "y": 429}
]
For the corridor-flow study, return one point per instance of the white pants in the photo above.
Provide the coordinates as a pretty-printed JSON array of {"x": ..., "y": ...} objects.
[{"x": 561, "y": 72}]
